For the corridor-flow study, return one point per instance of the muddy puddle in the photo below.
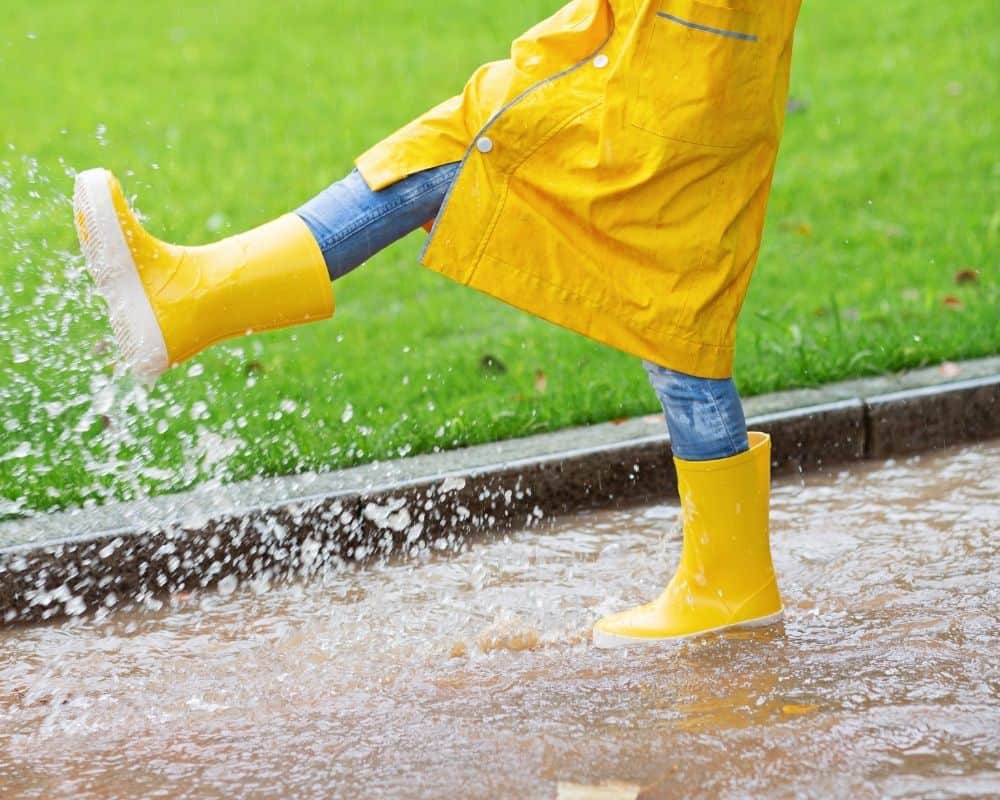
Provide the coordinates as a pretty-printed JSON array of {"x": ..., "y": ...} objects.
[{"x": 471, "y": 675}]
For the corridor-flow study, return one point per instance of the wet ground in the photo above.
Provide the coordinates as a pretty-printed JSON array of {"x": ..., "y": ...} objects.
[{"x": 471, "y": 675}]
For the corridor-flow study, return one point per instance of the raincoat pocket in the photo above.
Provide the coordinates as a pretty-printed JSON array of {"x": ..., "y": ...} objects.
[{"x": 701, "y": 76}]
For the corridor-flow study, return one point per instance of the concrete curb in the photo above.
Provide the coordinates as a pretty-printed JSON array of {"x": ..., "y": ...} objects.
[{"x": 65, "y": 564}]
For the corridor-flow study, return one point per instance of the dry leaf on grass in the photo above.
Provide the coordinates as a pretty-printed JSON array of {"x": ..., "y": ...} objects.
[{"x": 541, "y": 382}]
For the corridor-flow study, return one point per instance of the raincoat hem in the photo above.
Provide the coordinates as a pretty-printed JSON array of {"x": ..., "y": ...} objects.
[{"x": 663, "y": 345}]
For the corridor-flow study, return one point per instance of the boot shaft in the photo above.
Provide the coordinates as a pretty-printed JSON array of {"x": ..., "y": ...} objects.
[{"x": 725, "y": 505}]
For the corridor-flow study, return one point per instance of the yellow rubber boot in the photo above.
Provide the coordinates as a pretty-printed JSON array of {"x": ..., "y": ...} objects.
[
  {"x": 725, "y": 578},
  {"x": 167, "y": 303}
]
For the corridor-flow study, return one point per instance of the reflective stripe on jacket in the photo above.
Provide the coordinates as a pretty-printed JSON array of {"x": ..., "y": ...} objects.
[{"x": 615, "y": 172}]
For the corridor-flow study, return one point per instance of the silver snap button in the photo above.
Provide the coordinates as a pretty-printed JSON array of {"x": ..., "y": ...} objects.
[
  {"x": 601, "y": 61},
  {"x": 485, "y": 144}
]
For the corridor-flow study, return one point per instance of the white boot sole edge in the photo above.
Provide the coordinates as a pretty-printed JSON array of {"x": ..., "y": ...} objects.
[
  {"x": 113, "y": 269},
  {"x": 608, "y": 641}
]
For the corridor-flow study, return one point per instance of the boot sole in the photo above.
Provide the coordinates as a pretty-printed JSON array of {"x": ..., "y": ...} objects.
[
  {"x": 608, "y": 641},
  {"x": 110, "y": 263}
]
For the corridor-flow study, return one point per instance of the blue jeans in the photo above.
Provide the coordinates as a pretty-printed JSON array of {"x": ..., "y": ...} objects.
[{"x": 351, "y": 223}]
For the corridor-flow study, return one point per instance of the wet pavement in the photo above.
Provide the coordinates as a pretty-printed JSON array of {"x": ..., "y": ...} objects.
[{"x": 471, "y": 674}]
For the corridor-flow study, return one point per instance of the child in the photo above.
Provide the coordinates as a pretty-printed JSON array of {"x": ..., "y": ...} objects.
[{"x": 611, "y": 176}]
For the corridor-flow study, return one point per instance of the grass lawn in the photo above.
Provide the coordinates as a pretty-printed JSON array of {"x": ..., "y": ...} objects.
[{"x": 881, "y": 250}]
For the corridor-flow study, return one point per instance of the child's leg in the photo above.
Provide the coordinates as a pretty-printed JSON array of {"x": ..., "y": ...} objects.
[
  {"x": 704, "y": 416},
  {"x": 169, "y": 302},
  {"x": 725, "y": 577},
  {"x": 351, "y": 222}
]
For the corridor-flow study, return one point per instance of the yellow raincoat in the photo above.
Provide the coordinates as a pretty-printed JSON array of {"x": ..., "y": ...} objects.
[{"x": 615, "y": 172}]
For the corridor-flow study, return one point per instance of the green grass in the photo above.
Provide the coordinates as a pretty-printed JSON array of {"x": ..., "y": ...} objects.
[{"x": 220, "y": 116}]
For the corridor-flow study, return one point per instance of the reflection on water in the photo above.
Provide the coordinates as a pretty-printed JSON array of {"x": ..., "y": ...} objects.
[{"x": 471, "y": 675}]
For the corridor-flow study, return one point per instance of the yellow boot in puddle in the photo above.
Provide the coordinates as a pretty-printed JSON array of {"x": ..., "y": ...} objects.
[
  {"x": 167, "y": 302},
  {"x": 726, "y": 577}
]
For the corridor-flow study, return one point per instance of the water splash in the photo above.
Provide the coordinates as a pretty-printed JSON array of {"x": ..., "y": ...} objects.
[
  {"x": 470, "y": 674},
  {"x": 74, "y": 429}
]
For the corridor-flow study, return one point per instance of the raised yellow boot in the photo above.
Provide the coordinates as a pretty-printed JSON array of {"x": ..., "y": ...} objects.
[
  {"x": 725, "y": 578},
  {"x": 168, "y": 303}
]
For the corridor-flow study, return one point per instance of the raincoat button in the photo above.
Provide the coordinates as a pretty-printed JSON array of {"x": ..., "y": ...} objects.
[
  {"x": 601, "y": 61},
  {"x": 485, "y": 144}
]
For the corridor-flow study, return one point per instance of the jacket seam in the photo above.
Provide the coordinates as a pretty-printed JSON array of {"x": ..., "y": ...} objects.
[
  {"x": 498, "y": 212},
  {"x": 487, "y": 237},
  {"x": 503, "y": 110}
]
